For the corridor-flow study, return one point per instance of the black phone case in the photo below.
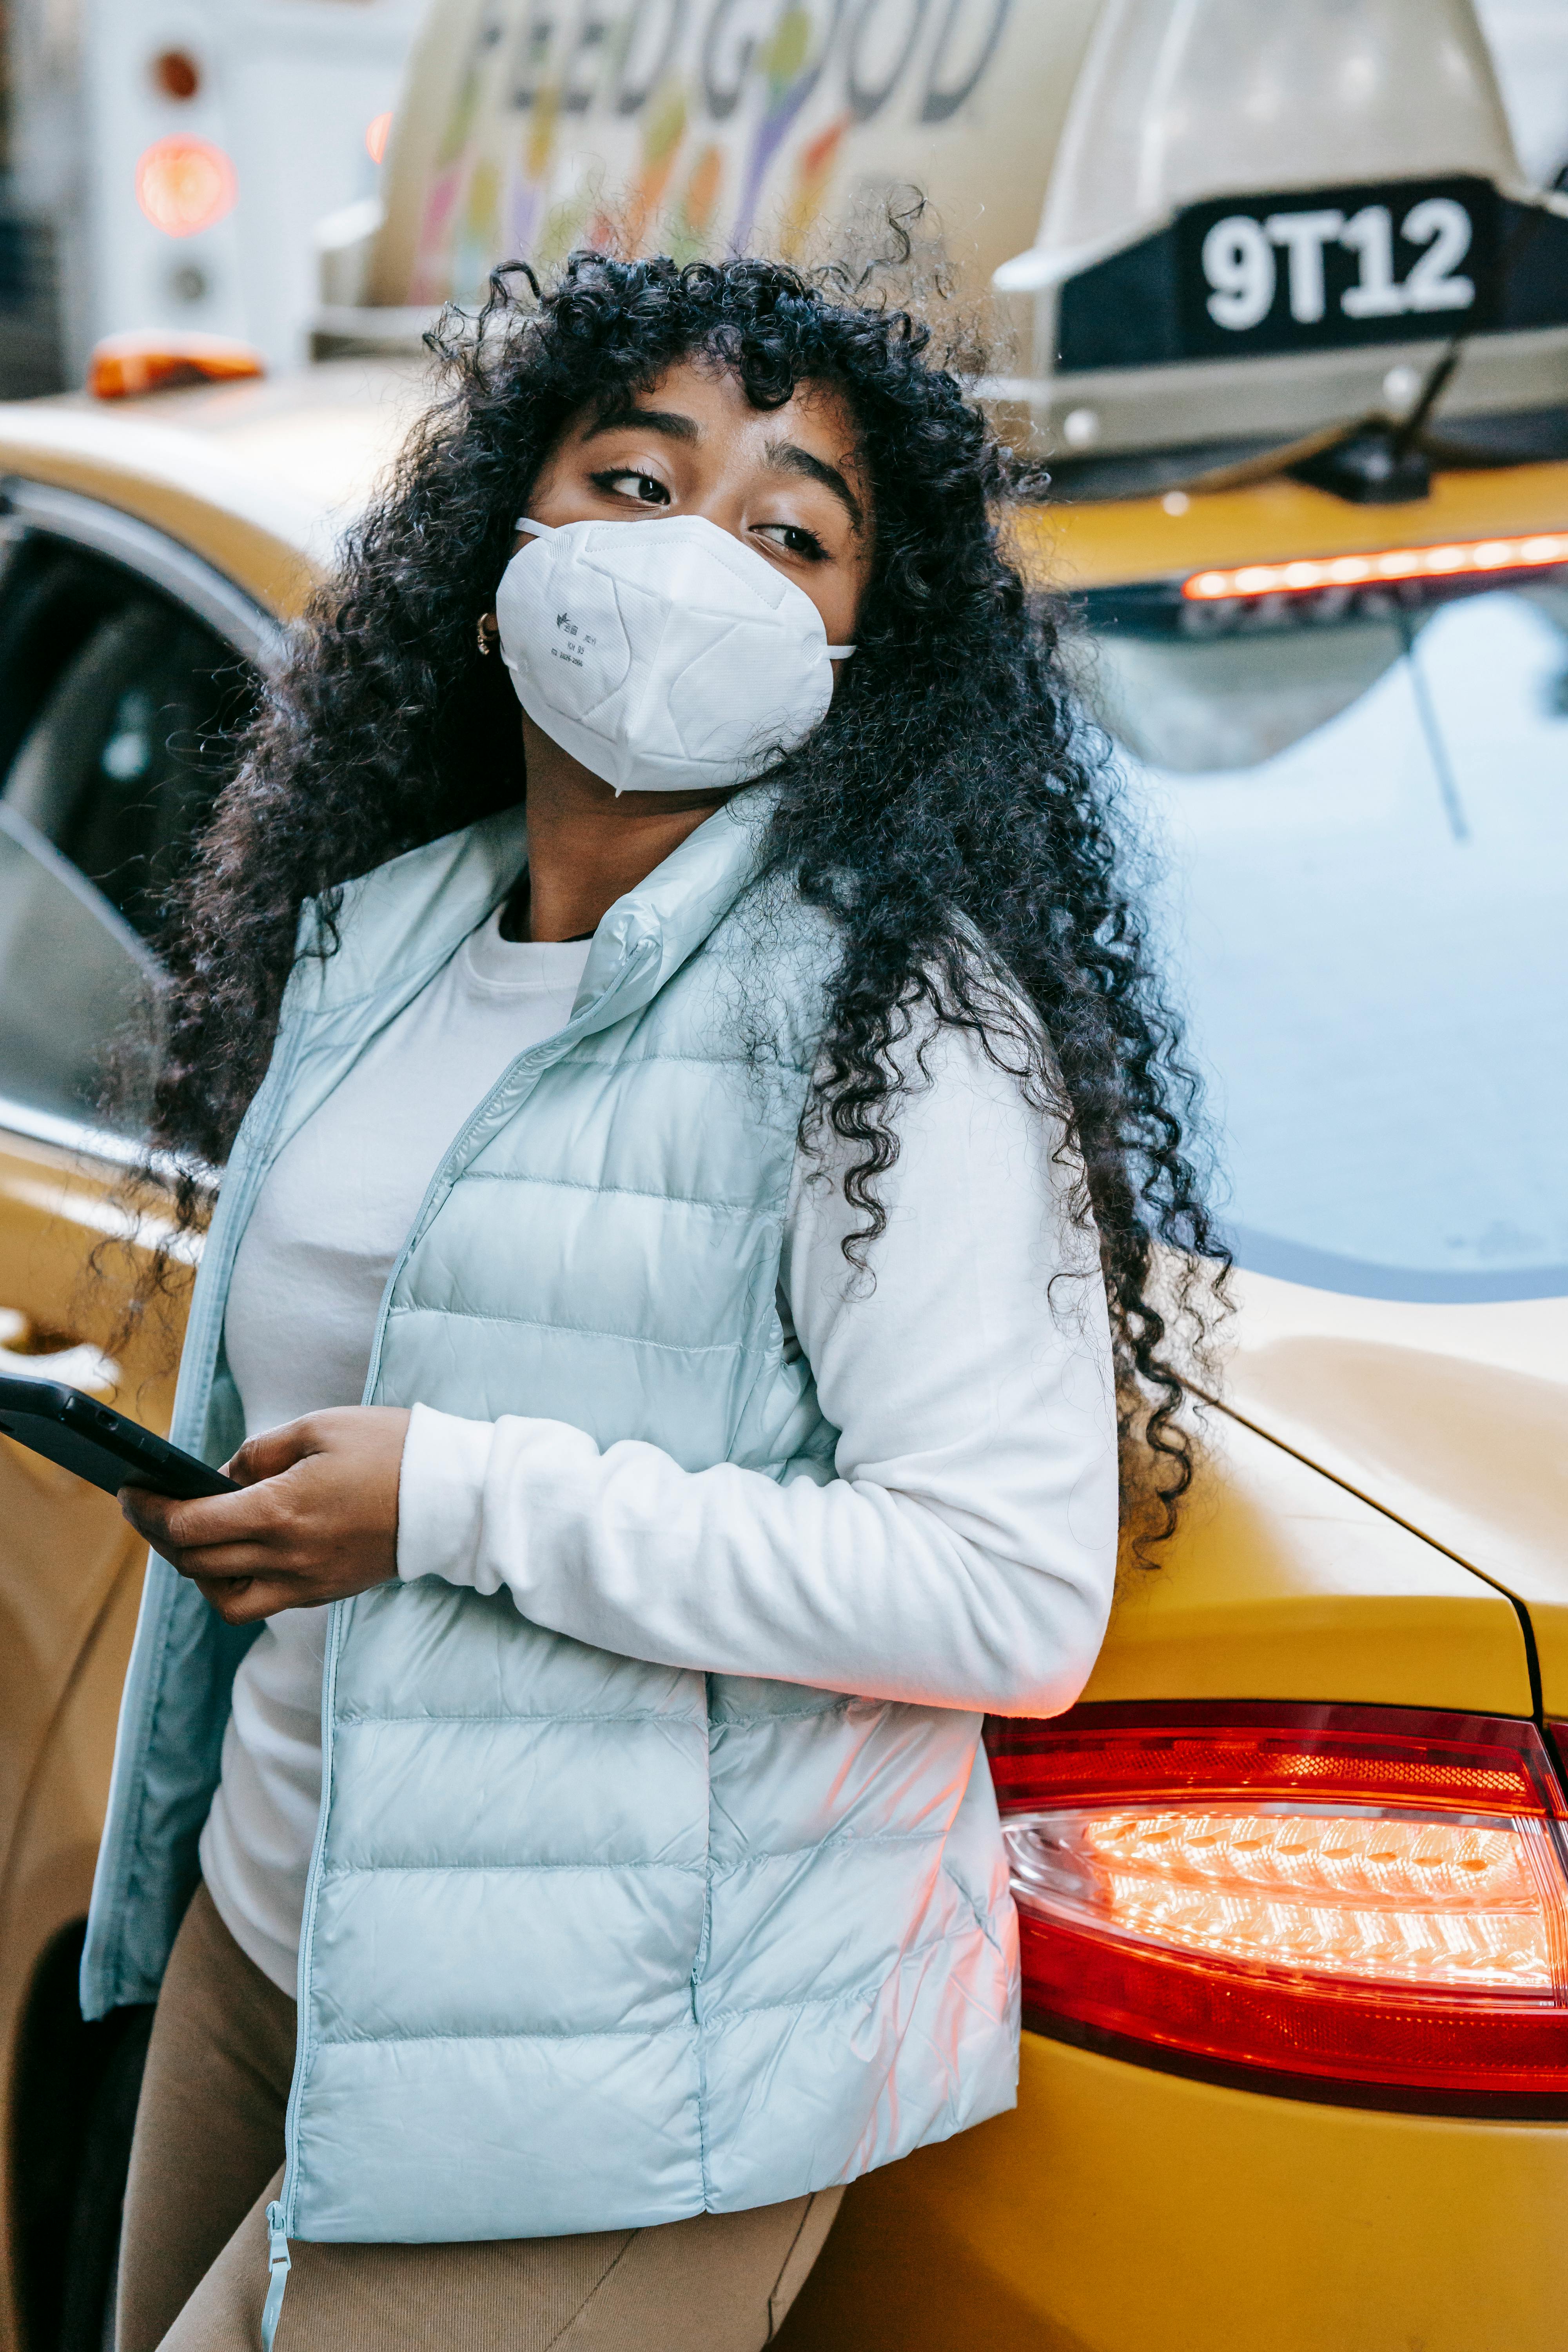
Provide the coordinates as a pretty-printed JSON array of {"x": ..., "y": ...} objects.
[{"x": 98, "y": 1444}]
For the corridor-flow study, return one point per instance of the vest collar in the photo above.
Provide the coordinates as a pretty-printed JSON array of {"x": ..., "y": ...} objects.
[
  {"x": 412, "y": 914},
  {"x": 645, "y": 938}
]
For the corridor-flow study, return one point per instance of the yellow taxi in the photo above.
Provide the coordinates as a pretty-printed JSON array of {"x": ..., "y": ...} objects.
[
  {"x": 1292, "y": 2074},
  {"x": 1292, "y": 1878}
]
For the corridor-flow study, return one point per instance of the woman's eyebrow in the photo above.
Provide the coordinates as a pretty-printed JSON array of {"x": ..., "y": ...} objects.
[
  {"x": 789, "y": 457},
  {"x": 668, "y": 421}
]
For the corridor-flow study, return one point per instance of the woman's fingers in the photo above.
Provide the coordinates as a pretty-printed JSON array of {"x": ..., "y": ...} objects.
[
  {"x": 314, "y": 1519},
  {"x": 336, "y": 1430},
  {"x": 231, "y": 1563},
  {"x": 276, "y": 1450},
  {"x": 171, "y": 1525},
  {"x": 244, "y": 1600}
]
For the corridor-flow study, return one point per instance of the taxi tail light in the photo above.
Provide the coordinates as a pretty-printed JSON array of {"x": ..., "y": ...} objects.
[{"x": 1368, "y": 1904}]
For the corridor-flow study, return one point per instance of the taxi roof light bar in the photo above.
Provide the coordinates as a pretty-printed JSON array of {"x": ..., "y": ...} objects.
[
  {"x": 160, "y": 359},
  {"x": 1537, "y": 551},
  {"x": 1369, "y": 1904}
]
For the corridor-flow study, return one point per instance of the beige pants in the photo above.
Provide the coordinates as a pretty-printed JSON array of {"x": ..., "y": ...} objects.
[{"x": 206, "y": 2159}]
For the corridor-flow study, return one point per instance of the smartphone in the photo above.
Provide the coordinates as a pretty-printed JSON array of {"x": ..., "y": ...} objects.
[{"x": 98, "y": 1444}]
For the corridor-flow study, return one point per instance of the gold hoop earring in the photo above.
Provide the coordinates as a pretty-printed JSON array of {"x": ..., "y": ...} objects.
[{"x": 486, "y": 644}]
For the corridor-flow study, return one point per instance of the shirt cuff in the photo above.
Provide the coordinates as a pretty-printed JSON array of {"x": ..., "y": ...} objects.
[{"x": 441, "y": 1495}]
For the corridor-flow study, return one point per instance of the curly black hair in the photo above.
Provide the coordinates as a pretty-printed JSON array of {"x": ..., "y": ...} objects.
[{"x": 953, "y": 795}]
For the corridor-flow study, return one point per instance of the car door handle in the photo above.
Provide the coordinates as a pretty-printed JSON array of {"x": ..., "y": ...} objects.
[{"x": 30, "y": 1355}]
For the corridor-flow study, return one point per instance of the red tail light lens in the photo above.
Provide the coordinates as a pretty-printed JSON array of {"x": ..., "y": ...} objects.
[{"x": 1346, "y": 1901}]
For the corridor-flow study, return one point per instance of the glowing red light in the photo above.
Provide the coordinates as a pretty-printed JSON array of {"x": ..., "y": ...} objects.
[
  {"x": 376, "y": 133},
  {"x": 185, "y": 184},
  {"x": 1375, "y": 1897},
  {"x": 1533, "y": 552}
]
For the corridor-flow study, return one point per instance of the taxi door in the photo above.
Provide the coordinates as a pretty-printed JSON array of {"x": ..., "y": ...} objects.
[{"x": 125, "y": 666}]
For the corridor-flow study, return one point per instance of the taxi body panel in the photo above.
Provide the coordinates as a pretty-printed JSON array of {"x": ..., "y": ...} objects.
[
  {"x": 1451, "y": 1416},
  {"x": 259, "y": 480},
  {"x": 52, "y": 1217},
  {"x": 1122, "y": 2205},
  {"x": 1118, "y": 542},
  {"x": 1279, "y": 1584},
  {"x": 70, "y": 1582},
  {"x": 162, "y": 479},
  {"x": 1120, "y": 2209}
]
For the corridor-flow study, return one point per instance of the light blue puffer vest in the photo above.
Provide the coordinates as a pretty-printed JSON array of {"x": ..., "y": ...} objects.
[{"x": 588, "y": 1943}]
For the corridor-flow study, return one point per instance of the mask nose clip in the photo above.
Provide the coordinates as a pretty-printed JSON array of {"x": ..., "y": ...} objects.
[{"x": 553, "y": 530}]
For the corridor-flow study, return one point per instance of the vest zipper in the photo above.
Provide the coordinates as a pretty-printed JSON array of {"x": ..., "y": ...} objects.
[
  {"x": 277, "y": 2263},
  {"x": 548, "y": 1051},
  {"x": 280, "y": 2214}
]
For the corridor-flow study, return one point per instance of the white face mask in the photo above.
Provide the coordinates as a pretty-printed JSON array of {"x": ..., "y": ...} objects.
[{"x": 666, "y": 655}]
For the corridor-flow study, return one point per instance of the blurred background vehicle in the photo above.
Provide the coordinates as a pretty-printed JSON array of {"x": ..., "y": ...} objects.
[
  {"x": 1292, "y": 1877},
  {"x": 166, "y": 161},
  {"x": 172, "y": 162}
]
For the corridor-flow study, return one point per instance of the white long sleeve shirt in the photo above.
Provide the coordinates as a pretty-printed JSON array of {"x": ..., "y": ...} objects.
[
  {"x": 964, "y": 1552},
  {"x": 962, "y": 1555}
]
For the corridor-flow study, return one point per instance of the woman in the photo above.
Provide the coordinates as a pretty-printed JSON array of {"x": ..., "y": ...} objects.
[{"x": 734, "y": 1206}]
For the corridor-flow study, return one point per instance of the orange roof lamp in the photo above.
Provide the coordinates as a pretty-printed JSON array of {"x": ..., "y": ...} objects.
[{"x": 157, "y": 358}]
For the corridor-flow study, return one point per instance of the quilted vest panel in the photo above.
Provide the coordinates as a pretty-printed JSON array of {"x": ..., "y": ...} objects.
[{"x": 592, "y": 1943}]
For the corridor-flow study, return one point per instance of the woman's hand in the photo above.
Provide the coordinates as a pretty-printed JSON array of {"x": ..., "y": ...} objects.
[{"x": 316, "y": 1520}]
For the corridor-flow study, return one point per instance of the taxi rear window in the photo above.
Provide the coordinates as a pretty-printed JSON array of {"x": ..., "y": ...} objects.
[{"x": 1358, "y": 808}]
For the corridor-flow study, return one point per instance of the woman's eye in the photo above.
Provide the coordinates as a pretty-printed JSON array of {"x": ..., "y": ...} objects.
[
  {"x": 794, "y": 540},
  {"x": 647, "y": 488}
]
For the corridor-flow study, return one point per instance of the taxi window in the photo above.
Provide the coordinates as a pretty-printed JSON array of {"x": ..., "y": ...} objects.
[
  {"x": 71, "y": 975},
  {"x": 116, "y": 711},
  {"x": 1359, "y": 814}
]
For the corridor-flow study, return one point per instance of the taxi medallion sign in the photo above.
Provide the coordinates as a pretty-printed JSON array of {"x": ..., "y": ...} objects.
[{"x": 1309, "y": 269}]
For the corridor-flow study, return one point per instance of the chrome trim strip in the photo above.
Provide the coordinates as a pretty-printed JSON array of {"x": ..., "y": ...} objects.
[
  {"x": 83, "y": 1140},
  {"x": 154, "y": 557},
  {"x": 66, "y": 1134}
]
